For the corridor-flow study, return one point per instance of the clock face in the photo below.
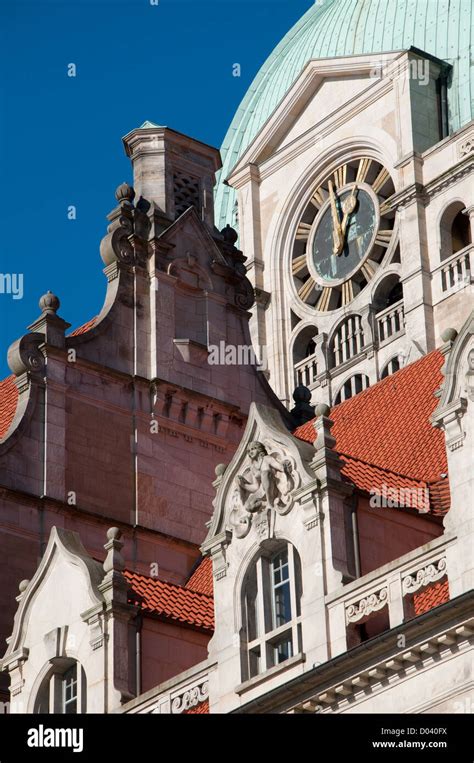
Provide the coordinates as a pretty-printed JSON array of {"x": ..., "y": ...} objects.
[{"x": 343, "y": 234}]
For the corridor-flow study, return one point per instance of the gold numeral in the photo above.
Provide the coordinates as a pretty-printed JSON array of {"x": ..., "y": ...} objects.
[
  {"x": 317, "y": 199},
  {"x": 306, "y": 289},
  {"x": 363, "y": 170},
  {"x": 303, "y": 231},
  {"x": 340, "y": 176},
  {"x": 383, "y": 238},
  {"x": 380, "y": 180},
  {"x": 299, "y": 263},
  {"x": 323, "y": 304},
  {"x": 347, "y": 292}
]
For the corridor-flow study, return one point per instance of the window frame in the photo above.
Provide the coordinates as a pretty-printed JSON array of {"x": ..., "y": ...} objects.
[{"x": 261, "y": 651}]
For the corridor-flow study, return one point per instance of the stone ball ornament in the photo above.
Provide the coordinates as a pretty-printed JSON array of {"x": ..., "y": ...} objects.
[
  {"x": 449, "y": 335},
  {"x": 125, "y": 192},
  {"x": 49, "y": 303}
]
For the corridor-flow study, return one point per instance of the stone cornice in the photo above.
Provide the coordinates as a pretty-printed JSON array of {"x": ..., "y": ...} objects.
[{"x": 379, "y": 659}]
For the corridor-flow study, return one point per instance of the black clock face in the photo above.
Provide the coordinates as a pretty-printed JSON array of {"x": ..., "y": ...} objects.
[
  {"x": 361, "y": 226},
  {"x": 343, "y": 234}
]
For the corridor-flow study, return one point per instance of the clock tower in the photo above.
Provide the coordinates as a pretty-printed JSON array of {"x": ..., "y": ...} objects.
[{"x": 352, "y": 192}]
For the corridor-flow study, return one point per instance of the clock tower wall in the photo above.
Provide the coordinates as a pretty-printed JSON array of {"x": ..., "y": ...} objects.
[{"x": 387, "y": 308}]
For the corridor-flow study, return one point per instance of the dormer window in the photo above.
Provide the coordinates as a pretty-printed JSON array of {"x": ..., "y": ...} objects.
[{"x": 271, "y": 609}]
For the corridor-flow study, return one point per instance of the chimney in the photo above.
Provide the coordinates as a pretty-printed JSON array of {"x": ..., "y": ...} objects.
[{"x": 173, "y": 171}]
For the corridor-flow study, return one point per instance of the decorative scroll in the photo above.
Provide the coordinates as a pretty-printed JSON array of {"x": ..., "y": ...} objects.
[
  {"x": 367, "y": 605},
  {"x": 423, "y": 576},
  {"x": 190, "y": 698}
]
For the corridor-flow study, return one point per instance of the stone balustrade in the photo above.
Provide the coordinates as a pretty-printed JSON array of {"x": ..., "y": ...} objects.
[
  {"x": 454, "y": 274},
  {"x": 390, "y": 322},
  {"x": 306, "y": 371},
  {"x": 387, "y": 589}
]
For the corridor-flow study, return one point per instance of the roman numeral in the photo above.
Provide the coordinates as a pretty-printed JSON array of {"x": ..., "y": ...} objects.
[
  {"x": 385, "y": 207},
  {"x": 306, "y": 289},
  {"x": 340, "y": 176},
  {"x": 380, "y": 180},
  {"x": 369, "y": 269},
  {"x": 347, "y": 292},
  {"x": 303, "y": 231},
  {"x": 383, "y": 238},
  {"x": 323, "y": 304},
  {"x": 299, "y": 263},
  {"x": 317, "y": 199},
  {"x": 363, "y": 170}
]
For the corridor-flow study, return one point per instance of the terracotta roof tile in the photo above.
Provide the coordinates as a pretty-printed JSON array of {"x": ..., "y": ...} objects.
[
  {"x": 201, "y": 709},
  {"x": 173, "y": 602},
  {"x": 84, "y": 328},
  {"x": 388, "y": 427},
  {"x": 430, "y": 597},
  {"x": 8, "y": 400},
  {"x": 200, "y": 579}
]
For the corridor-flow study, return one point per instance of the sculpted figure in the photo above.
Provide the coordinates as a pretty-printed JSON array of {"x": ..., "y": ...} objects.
[{"x": 261, "y": 482}]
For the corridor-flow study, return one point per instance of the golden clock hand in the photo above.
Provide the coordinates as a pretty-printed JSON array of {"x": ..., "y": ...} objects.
[
  {"x": 348, "y": 208},
  {"x": 336, "y": 223}
]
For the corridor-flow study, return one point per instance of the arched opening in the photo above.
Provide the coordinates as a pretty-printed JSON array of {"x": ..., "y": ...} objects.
[
  {"x": 63, "y": 690},
  {"x": 388, "y": 304},
  {"x": 304, "y": 359},
  {"x": 347, "y": 341},
  {"x": 391, "y": 367},
  {"x": 455, "y": 230},
  {"x": 352, "y": 387}
]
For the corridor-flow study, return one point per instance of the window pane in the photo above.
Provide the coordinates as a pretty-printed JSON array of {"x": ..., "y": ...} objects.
[
  {"x": 69, "y": 687},
  {"x": 281, "y": 599},
  {"x": 283, "y": 651}
]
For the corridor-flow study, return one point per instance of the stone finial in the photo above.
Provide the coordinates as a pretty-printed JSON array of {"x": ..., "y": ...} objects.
[
  {"x": 449, "y": 335},
  {"x": 322, "y": 427},
  {"x": 230, "y": 235},
  {"x": 49, "y": 303},
  {"x": 303, "y": 411},
  {"x": 23, "y": 585},
  {"x": 114, "y": 561},
  {"x": 220, "y": 470},
  {"x": 125, "y": 193},
  {"x": 322, "y": 410}
]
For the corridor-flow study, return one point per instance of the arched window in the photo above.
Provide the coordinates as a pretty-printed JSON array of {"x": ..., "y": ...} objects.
[
  {"x": 271, "y": 609},
  {"x": 63, "y": 690},
  {"x": 455, "y": 230},
  {"x": 392, "y": 366},
  {"x": 304, "y": 360},
  {"x": 388, "y": 303},
  {"x": 348, "y": 341},
  {"x": 351, "y": 387}
]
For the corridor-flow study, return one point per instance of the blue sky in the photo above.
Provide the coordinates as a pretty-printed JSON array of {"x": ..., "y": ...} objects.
[{"x": 60, "y": 136}]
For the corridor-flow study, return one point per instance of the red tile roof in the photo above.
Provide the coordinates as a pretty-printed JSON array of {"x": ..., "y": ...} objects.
[
  {"x": 8, "y": 400},
  {"x": 430, "y": 597},
  {"x": 201, "y": 709},
  {"x": 385, "y": 431},
  {"x": 172, "y": 602},
  {"x": 84, "y": 328},
  {"x": 200, "y": 579}
]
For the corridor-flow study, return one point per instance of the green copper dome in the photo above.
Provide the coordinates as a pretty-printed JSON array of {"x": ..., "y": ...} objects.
[{"x": 443, "y": 28}]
